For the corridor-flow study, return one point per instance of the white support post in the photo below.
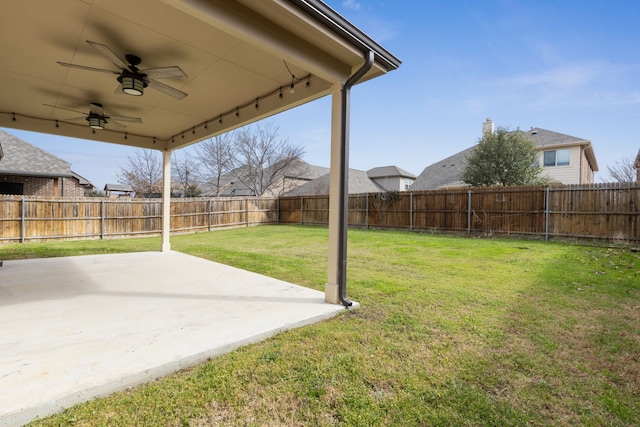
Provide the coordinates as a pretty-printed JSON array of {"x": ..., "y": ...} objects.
[
  {"x": 331, "y": 290},
  {"x": 166, "y": 200}
]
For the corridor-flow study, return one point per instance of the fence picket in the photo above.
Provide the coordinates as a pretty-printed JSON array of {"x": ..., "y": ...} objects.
[{"x": 610, "y": 212}]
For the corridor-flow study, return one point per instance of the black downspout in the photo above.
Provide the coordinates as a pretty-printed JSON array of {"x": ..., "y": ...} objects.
[{"x": 343, "y": 198}]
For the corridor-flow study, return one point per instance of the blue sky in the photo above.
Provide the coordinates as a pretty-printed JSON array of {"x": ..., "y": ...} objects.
[{"x": 570, "y": 66}]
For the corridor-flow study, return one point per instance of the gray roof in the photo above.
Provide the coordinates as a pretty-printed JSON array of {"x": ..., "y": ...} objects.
[
  {"x": 82, "y": 180},
  {"x": 118, "y": 187},
  {"x": 22, "y": 158},
  {"x": 389, "y": 171},
  {"x": 230, "y": 185},
  {"x": 359, "y": 182},
  {"x": 302, "y": 170},
  {"x": 445, "y": 173},
  {"x": 547, "y": 138}
]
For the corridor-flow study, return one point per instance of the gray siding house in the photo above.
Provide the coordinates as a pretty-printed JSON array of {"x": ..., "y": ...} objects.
[
  {"x": 392, "y": 178},
  {"x": 359, "y": 182},
  {"x": 294, "y": 175},
  {"x": 565, "y": 159}
]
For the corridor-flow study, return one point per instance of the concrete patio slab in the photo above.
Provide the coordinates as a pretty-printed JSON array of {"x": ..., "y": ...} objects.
[{"x": 80, "y": 327}]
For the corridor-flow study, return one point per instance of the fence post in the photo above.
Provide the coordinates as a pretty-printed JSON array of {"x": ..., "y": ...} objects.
[
  {"x": 411, "y": 211},
  {"x": 301, "y": 210},
  {"x": 366, "y": 212},
  {"x": 102, "y": 219},
  {"x": 469, "y": 212},
  {"x": 209, "y": 216},
  {"x": 278, "y": 211},
  {"x": 246, "y": 209},
  {"x": 22, "y": 221},
  {"x": 547, "y": 194}
]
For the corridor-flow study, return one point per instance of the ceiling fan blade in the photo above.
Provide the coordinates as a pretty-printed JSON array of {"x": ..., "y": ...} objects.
[
  {"x": 96, "y": 109},
  {"x": 76, "y": 119},
  {"x": 114, "y": 124},
  {"x": 173, "y": 72},
  {"x": 84, "y": 67},
  {"x": 167, "y": 90},
  {"x": 109, "y": 54},
  {"x": 126, "y": 119},
  {"x": 67, "y": 109}
]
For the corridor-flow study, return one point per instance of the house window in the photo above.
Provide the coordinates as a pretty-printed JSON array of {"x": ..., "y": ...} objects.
[
  {"x": 407, "y": 183},
  {"x": 557, "y": 157},
  {"x": 12, "y": 188}
]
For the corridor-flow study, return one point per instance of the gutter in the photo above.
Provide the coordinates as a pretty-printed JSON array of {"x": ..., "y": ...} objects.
[
  {"x": 343, "y": 198},
  {"x": 347, "y": 31}
]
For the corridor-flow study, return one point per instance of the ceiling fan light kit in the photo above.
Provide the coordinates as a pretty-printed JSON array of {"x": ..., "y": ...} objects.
[
  {"x": 132, "y": 84},
  {"x": 96, "y": 121}
]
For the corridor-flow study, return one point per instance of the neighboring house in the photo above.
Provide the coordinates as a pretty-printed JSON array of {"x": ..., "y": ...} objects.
[
  {"x": 233, "y": 184},
  {"x": 392, "y": 178},
  {"x": 565, "y": 159},
  {"x": 114, "y": 191},
  {"x": 28, "y": 170},
  {"x": 446, "y": 173},
  {"x": 359, "y": 182},
  {"x": 636, "y": 165}
]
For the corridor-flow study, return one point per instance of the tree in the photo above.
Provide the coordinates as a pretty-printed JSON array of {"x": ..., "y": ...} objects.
[
  {"x": 184, "y": 173},
  {"x": 260, "y": 157},
  {"x": 504, "y": 158},
  {"x": 214, "y": 157},
  {"x": 623, "y": 170},
  {"x": 95, "y": 193},
  {"x": 143, "y": 172}
]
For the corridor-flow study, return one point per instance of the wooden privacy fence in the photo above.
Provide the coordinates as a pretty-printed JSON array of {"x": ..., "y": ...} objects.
[
  {"x": 599, "y": 211},
  {"x": 603, "y": 211},
  {"x": 38, "y": 219}
]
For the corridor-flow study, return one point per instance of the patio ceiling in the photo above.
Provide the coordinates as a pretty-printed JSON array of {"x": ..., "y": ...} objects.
[{"x": 234, "y": 53}]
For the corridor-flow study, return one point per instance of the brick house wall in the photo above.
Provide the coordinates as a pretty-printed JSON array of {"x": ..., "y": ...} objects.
[{"x": 47, "y": 187}]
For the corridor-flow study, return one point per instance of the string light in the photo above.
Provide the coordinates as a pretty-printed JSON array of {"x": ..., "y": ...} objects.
[{"x": 256, "y": 101}]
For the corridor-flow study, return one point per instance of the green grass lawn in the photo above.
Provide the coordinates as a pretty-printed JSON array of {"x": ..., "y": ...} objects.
[{"x": 451, "y": 332}]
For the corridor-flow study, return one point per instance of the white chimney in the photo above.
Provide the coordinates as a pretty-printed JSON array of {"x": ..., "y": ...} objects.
[{"x": 487, "y": 127}]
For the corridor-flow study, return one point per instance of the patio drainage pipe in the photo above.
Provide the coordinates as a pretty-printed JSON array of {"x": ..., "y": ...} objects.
[{"x": 343, "y": 199}]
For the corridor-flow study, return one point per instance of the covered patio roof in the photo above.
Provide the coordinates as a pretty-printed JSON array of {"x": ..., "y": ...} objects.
[
  {"x": 238, "y": 57},
  {"x": 210, "y": 66}
]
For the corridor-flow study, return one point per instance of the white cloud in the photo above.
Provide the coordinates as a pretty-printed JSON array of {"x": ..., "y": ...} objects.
[{"x": 351, "y": 4}]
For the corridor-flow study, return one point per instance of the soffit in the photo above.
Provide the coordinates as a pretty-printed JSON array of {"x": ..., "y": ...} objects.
[{"x": 232, "y": 52}]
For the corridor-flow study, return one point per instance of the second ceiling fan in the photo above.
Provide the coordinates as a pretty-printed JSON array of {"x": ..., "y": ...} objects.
[
  {"x": 132, "y": 79},
  {"x": 97, "y": 118}
]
